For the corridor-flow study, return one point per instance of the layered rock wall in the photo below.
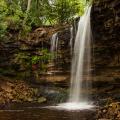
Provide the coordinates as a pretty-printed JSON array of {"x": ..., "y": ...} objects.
[{"x": 105, "y": 22}]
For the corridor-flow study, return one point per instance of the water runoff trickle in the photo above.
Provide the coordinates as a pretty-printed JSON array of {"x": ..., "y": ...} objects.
[
  {"x": 54, "y": 43},
  {"x": 53, "y": 50}
]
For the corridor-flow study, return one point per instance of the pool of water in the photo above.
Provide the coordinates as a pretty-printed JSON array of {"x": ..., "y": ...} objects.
[{"x": 45, "y": 113}]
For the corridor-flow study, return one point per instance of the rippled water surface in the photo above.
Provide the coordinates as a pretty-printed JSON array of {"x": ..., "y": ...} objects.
[{"x": 43, "y": 113}]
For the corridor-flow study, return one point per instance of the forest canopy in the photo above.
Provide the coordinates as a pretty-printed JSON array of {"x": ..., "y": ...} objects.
[{"x": 25, "y": 14}]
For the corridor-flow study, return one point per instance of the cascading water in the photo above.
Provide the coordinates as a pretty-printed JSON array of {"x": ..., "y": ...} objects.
[
  {"x": 81, "y": 60},
  {"x": 78, "y": 99},
  {"x": 53, "y": 50},
  {"x": 54, "y": 43}
]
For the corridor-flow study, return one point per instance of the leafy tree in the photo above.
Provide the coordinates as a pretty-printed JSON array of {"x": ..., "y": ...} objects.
[
  {"x": 55, "y": 11},
  {"x": 67, "y": 10},
  {"x": 3, "y": 12},
  {"x": 22, "y": 15}
]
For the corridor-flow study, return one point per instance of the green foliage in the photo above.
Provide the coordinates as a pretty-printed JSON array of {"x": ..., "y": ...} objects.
[
  {"x": 22, "y": 58},
  {"x": 55, "y": 11},
  {"x": 44, "y": 57},
  {"x": 11, "y": 17},
  {"x": 65, "y": 10},
  {"x": 26, "y": 60},
  {"x": 3, "y": 24},
  {"x": 14, "y": 15},
  {"x": 22, "y": 15}
]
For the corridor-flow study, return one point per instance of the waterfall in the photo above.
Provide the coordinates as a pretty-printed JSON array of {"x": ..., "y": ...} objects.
[
  {"x": 81, "y": 65},
  {"x": 53, "y": 50},
  {"x": 54, "y": 44},
  {"x": 78, "y": 99},
  {"x": 81, "y": 60}
]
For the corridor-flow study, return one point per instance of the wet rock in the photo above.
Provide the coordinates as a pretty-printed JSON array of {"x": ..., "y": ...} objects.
[{"x": 41, "y": 32}]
